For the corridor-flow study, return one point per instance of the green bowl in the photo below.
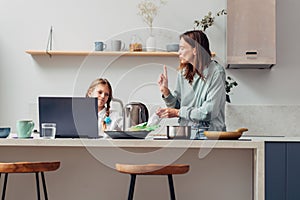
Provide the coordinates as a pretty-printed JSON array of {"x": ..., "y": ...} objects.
[{"x": 4, "y": 132}]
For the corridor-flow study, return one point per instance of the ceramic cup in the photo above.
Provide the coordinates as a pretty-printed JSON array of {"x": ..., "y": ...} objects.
[
  {"x": 172, "y": 47},
  {"x": 117, "y": 45},
  {"x": 100, "y": 46},
  {"x": 24, "y": 128}
]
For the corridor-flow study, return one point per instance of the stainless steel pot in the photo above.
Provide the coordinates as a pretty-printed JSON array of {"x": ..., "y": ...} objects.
[
  {"x": 134, "y": 113},
  {"x": 178, "y": 132}
]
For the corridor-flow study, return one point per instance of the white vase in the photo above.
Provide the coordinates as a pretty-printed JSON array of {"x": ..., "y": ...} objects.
[{"x": 151, "y": 43}]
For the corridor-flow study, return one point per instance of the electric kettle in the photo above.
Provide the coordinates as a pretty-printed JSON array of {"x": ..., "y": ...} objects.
[{"x": 134, "y": 113}]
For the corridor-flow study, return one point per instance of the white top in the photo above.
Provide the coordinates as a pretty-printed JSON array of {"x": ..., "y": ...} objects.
[{"x": 116, "y": 121}]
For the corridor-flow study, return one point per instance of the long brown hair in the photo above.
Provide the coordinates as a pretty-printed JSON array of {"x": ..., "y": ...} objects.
[
  {"x": 198, "y": 40},
  {"x": 101, "y": 81}
]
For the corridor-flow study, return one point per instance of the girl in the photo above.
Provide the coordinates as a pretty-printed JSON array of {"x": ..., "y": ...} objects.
[{"x": 107, "y": 119}]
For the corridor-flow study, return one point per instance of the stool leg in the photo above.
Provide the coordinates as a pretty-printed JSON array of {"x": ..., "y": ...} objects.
[
  {"x": 37, "y": 185},
  {"x": 171, "y": 186},
  {"x": 4, "y": 186},
  {"x": 44, "y": 186},
  {"x": 131, "y": 188}
]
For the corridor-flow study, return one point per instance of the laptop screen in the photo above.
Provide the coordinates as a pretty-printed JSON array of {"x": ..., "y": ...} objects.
[{"x": 74, "y": 116}]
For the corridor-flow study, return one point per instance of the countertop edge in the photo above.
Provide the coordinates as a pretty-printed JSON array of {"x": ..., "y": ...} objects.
[{"x": 244, "y": 144}]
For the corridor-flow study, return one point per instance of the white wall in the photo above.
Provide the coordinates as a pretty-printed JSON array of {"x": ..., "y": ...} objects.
[{"x": 77, "y": 24}]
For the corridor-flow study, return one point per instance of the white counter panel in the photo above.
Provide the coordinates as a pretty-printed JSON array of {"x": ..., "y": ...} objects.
[{"x": 223, "y": 172}]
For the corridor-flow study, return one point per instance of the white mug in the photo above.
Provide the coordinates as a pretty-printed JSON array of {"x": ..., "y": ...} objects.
[{"x": 117, "y": 45}]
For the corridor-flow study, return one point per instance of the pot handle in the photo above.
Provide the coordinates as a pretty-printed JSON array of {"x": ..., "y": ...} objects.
[
  {"x": 146, "y": 111},
  {"x": 241, "y": 130}
]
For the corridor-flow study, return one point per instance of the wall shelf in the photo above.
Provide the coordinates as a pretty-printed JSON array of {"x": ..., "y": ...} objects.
[
  {"x": 99, "y": 53},
  {"x": 102, "y": 53}
]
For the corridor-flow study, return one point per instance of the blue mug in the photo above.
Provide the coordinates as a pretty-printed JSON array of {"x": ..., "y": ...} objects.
[{"x": 100, "y": 46}]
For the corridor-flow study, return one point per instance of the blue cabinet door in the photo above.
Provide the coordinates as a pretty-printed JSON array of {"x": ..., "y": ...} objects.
[
  {"x": 275, "y": 171},
  {"x": 293, "y": 171}
]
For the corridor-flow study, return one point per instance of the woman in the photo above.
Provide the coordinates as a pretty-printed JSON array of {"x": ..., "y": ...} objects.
[
  {"x": 199, "y": 95},
  {"x": 108, "y": 119}
]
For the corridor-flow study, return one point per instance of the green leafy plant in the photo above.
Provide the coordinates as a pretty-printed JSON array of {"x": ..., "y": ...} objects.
[
  {"x": 208, "y": 20},
  {"x": 230, "y": 83}
]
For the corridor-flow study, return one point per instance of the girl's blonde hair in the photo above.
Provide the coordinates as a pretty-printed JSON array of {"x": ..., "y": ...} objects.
[{"x": 94, "y": 84}]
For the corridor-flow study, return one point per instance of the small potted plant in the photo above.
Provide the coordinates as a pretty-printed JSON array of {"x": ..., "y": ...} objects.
[
  {"x": 230, "y": 83},
  {"x": 208, "y": 20}
]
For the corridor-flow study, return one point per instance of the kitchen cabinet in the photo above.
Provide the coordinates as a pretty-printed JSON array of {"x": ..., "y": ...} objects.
[
  {"x": 251, "y": 33},
  {"x": 275, "y": 168},
  {"x": 282, "y": 164},
  {"x": 293, "y": 171}
]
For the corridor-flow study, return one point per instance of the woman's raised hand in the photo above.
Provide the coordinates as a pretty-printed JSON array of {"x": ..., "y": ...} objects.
[{"x": 163, "y": 82}]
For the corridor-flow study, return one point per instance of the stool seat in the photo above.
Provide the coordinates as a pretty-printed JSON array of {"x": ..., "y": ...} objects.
[
  {"x": 28, "y": 167},
  {"x": 153, "y": 169}
]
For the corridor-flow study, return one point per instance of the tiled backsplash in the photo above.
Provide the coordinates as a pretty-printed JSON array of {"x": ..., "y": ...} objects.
[{"x": 275, "y": 120}]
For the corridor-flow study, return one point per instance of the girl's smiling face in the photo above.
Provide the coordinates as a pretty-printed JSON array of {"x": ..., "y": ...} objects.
[{"x": 102, "y": 93}]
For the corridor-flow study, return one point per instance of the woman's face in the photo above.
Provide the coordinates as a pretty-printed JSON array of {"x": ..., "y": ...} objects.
[
  {"x": 186, "y": 52},
  {"x": 102, "y": 93}
]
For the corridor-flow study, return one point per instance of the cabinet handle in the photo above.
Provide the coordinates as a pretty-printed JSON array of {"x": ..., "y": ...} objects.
[{"x": 251, "y": 54}]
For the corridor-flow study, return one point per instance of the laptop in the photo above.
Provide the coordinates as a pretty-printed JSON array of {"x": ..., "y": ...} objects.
[{"x": 75, "y": 117}]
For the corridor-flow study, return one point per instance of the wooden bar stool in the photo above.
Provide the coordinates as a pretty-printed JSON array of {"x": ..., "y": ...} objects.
[
  {"x": 28, "y": 167},
  {"x": 152, "y": 169}
]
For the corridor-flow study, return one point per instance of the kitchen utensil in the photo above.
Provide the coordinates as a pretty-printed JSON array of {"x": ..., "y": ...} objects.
[
  {"x": 100, "y": 46},
  {"x": 219, "y": 135},
  {"x": 127, "y": 134},
  {"x": 178, "y": 132},
  {"x": 134, "y": 113},
  {"x": 117, "y": 45},
  {"x": 48, "y": 130},
  {"x": 24, "y": 128},
  {"x": 4, "y": 132}
]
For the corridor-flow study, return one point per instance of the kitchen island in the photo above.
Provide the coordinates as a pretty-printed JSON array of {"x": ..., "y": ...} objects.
[{"x": 219, "y": 169}]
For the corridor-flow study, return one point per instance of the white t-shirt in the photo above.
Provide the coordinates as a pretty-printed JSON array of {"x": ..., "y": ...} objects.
[{"x": 115, "y": 124}]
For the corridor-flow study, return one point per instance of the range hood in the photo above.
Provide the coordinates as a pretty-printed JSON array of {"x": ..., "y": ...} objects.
[
  {"x": 251, "y": 59},
  {"x": 251, "y": 34}
]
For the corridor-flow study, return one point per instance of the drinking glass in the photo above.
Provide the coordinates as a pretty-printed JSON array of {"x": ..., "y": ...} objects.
[{"x": 48, "y": 130}]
